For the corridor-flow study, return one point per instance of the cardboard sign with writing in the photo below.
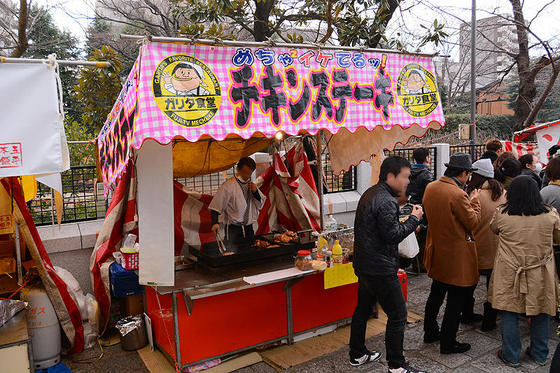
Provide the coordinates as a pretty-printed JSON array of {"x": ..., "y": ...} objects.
[{"x": 6, "y": 219}]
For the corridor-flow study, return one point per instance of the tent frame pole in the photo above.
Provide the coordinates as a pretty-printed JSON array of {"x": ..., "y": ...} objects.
[
  {"x": 270, "y": 44},
  {"x": 60, "y": 62},
  {"x": 319, "y": 141},
  {"x": 18, "y": 253}
]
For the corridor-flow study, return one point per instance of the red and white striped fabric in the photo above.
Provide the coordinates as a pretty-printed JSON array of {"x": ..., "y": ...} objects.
[
  {"x": 292, "y": 201},
  {"x": 520, "y": 149},
  {"x": 193, "y": 221},
  {"x": 192, "y": 225},
  {"x": 65, "y": 306},
  {"x": 121, "y": 218}
]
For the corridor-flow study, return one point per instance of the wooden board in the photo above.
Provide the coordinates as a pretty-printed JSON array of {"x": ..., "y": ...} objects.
[
  {"x": 236, "y": 363},
  {"x": 284, "y": 357},
  {"x": 155, "y": 362}
]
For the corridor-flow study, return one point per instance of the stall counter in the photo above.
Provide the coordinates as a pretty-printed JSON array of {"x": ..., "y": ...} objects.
[{"x": 209, "y": 315}]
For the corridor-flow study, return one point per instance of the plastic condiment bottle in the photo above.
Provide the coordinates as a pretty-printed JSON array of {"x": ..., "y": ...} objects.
[
  {"x": 337, "y": 253},
  {"x": 321, "y": 247}
]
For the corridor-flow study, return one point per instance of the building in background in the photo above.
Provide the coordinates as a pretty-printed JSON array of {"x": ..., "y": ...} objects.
[{"x": 496, "y": 40}]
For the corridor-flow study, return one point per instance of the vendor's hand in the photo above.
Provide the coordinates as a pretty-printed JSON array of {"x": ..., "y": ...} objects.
[
  {"x": 216, "y": 228},
  {"x": 417, "y": 211},
  {"x": 475, "y": 194},
  {"x": 252, "y": 187}
]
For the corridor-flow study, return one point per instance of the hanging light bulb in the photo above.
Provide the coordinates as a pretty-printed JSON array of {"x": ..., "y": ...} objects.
[{"x": 279, "y": 136}]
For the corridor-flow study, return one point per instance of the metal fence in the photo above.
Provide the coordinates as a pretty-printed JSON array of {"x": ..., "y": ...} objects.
[
  {"x": 207, "y": 184},
  {"x": 81, "y": 199},
  {"x": 84, "y": 199},
  {"x": 407, "y": 154},
  {"x": 475, "y": 151},
  {"x": 345, "y": 182}
]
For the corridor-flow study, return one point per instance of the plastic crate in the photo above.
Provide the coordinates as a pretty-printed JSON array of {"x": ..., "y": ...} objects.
[
  {"x": 130, "y": 261},
  {"x": 123, "y": 283}
]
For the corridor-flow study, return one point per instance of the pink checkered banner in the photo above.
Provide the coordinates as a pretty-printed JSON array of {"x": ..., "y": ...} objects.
[{"x": 187, "y": 91}]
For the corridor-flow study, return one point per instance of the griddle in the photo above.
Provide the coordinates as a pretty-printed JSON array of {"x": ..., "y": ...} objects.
[{"x": 210, "y": 256}]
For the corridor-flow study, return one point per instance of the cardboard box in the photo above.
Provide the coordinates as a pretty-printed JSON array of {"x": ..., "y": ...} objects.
[
  {"x": 7, "y": 265},
  {"x": 8, "y": 248},
  {"x": 132, "y": 305},
  {"x": 8, "y": 285}
]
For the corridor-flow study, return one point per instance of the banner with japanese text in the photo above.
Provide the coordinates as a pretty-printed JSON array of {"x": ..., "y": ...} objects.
[
  {"x": 33, "y": 141},
  {"x": 189, "y": 91}
]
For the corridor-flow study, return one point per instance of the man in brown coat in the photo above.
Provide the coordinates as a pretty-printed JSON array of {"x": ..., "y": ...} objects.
[{"x": 450, "y": 255}]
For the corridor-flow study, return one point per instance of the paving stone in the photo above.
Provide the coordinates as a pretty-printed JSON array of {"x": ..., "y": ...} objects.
[
  {"x": 480, "y": 344},
  {"x": 450, "y": 361}
]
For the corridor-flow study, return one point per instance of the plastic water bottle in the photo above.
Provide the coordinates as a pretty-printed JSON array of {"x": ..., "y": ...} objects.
[{"x": 331, "y": 224}]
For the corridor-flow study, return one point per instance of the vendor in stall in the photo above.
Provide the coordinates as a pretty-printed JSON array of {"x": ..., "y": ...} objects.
[{"x": 238, "y": 201}]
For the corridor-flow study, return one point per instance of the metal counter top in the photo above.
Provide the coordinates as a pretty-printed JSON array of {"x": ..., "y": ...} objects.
[{"x": 201, "y": 282}]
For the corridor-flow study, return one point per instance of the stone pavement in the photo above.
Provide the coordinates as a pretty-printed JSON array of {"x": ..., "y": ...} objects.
[{"x": 482, "y": 357}]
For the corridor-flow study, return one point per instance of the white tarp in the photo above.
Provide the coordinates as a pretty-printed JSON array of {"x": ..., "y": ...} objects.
[
  {"x": 546, "y": 138},
  {"x": 32, "y": 138}
]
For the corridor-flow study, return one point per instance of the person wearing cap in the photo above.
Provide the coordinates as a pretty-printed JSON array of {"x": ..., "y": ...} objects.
[
  {"x": 492, "y": 195},
  {"x": 450, "y": 255}
]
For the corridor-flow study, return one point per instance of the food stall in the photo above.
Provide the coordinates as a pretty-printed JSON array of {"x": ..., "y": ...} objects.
[{"x": 193, "y": 108}]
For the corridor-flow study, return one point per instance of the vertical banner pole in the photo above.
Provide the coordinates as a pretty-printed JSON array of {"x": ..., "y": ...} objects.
[{"x": 320, "y": 177}]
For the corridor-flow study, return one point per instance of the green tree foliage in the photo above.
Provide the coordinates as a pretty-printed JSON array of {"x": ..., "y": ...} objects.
[
  {"x": 46, "y": 38},
  {"x": 352, "y": 22},
  {"x": 98, "y": 88},
  {"x": 500, "y": 126},
  {"x": 80, "y": 154}
]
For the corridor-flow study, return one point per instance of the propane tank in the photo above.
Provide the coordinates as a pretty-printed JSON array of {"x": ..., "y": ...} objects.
[{"x": 43, "y": 327}]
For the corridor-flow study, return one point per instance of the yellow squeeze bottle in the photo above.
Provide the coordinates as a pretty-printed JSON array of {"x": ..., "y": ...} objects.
[{"x": 337, "y": 253}]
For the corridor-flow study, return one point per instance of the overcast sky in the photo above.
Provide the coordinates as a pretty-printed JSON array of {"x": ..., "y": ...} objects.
[{"x": 73, "y": 14}]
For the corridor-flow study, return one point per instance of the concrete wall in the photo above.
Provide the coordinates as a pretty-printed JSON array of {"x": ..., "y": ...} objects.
[{"x": 70, "y": 247}]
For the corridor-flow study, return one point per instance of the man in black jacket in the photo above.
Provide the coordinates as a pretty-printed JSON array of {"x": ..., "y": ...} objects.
[
  {"x": 420, "y": 175},
  {"x": 377, "y": 233}
]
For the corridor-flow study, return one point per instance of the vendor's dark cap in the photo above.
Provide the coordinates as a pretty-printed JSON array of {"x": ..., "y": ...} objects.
[{"x": 461, "y": 161}]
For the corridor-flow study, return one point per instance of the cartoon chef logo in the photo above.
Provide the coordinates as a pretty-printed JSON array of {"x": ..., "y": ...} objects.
[
  {"x": 186, "y": 90},
  {"x": 417, "y": 90}
]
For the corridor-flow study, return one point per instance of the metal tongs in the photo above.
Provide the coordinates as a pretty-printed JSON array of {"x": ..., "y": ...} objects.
[{"x": 221, "y": 245}]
